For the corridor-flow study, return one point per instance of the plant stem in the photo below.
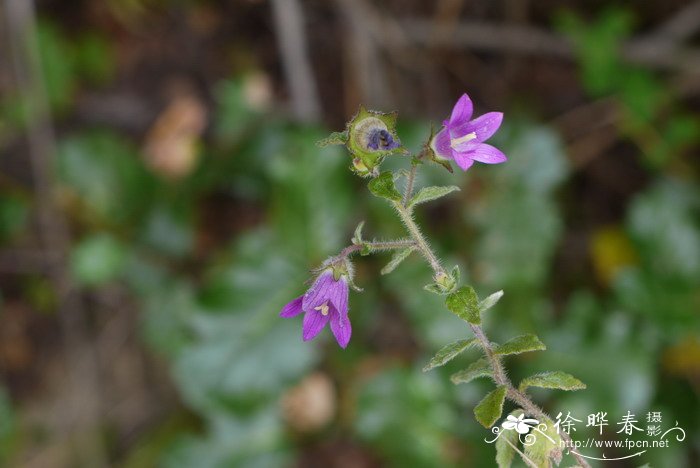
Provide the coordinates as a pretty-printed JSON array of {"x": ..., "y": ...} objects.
[
  {"x": 499, "y": 374},
  {"x": 391, "y": 245},
  {"x": 421, "y": 243}
]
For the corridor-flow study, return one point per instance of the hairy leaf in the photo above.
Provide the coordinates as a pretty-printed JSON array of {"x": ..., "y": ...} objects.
[
  {"x": 464, "y": 304},
  {"x": 383, "y": 186},
  {"x": 477, "y": 369},
  {"x": 490, "y": 408},
  {"x": 520, "y": 344},
  {"x": 553, "y": 379},
  {"x": 427, "y": 194},
  {"x": 398, "y": 257},
  {"x": 505, "y": 443},
  {"x": 335, "y": 138},
  {"x": 449, "y": 352},
  {"x": 490, "y": 301},
  {"x": 546, "y": 446}
]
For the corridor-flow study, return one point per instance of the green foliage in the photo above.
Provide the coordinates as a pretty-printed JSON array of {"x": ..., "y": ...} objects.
[
  {"x": 97, "y": 259},
  {"x": 520, "y": 344},
  {"x": 427, "y": 194},
  {"x": 396, "y": 259},
  {"x": 546, "y": 446},
  {"x": 335, "y": 138},
  {"x": 464, "y": 304},
  {"x": 102, "y": 172},
  {"x": 552, "y": 379},
  {"x": 489, "y": 410},
  {"x": 13, "y": 216},
  {"x": 405, "y": 416},
  {"x": 449, "y": 352},
  {"x": 505, "y": 443},
  {"x": 477, "y": 369},
  {"x": 8, "y": 426},
  {"x": 383, "y": 186},
  {"x": 490, "y": 301}
]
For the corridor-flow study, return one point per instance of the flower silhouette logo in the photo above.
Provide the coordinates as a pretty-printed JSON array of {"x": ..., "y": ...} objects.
[{"x": 520, "y": 424}]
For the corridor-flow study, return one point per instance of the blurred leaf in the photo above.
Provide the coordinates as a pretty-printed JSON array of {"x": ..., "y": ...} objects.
[
  {"x": 97, "y": 259},
  {"x": 520, "y": 344},
  {"x": 8, "y": 426},
  {"x": 383, "y": 186},
  {"x": 427, "y": 194},
  {"x": 553, "y": 379},
  {"x": 611, "y": 252},
  {"x": 464, "y": 304},
  {"x": 404, "y": 415},
  {"x": 56, "y": 56},
  {"x": 478, "y": 369},
  {"x": 335, "y": 138},
  {"x": 396, "y": 259},
  {"x": 104, "y": 172},
  {"x": 489, "y": 410},
  {"x": 449, "y": 352},
  {"x": 13, "y": 216}
]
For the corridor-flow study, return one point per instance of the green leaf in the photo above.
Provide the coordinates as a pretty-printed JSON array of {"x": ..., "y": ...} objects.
[
  {"x": 505, "y": 443},
  {"x": 335, "y": 138},
  {"x": 398, "y": 257},
  {"x": 357, "y": 237},
  {"x": 520, "y": 344},
  {"x": 383, "y": 186},
  {"x": 97, "y": 259},
  {"x": 427, "y": 194},
  {"x": 490, "y": 408},
  {"x": 456, "y": 275},
  {"x": 554, "y": 379},
  {"x": 546, "y": 446},
  {"x": 464, "y": 304},
  {"x": 449, "y": 352},
  {"x": 490, "y": 301},
  {"x": 435, "y": 288},
  {"x": 477, "y": 369}
]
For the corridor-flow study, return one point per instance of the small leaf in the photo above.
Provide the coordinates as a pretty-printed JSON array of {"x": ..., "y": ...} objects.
[
  {"x": 490, "y": 301},
  {"x": 435, "y": 289},
  {"x": 456, "y": 274},
  {"x": 490, "y": 408},
  {"x": 505, "y": 451},
  {"x": 554, "y": 379},
  {"x": 398, "y": 257},
  {"x": 480, "y": 368},
  {"x": 427, "y": 194},
  {"x": 383, "y": 186},
  {"x": 335, "y": 138},
  {"x": 449, "y": 352},
  {"x": 464, "y": 304},
  {"x": 357, "y": 237},
  {"x": 97, "y": 259},
  {"x": 520, "y": 344},
  {"x": 546, "y": 446}
]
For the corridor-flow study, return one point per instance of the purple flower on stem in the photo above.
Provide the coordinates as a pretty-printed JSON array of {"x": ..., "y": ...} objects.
[
  {"x": 462, "y": 139},
  {"x": 326, "y": 300}
]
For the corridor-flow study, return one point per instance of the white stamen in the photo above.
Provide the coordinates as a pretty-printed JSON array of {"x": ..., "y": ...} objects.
[
  {"x": 454, "y": 142},
  {"x": 323, "y": 308}
]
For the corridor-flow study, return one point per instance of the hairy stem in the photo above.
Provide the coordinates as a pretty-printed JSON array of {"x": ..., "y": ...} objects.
[
  {"x": 421, "y": 243},
  {"x": 409, "y": 184},
  {"x": 499, "y": 374},
  {"x": 391, "y": 245}
]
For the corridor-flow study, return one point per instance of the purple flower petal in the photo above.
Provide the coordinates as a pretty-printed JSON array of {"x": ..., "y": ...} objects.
[
  {"x": 339, "y": 295},
  {"x": 314, "y": 321},
  {"x": 462, "y": 111},
  {"x": 463, "y": 160},
  {"x": 293, "y": 308},
  {"x": 341, "y": 328},
  {"x": 318, "y": 292},
  {"x": 442, "y": 144},
  {"x": 484, "y": 127},
  {"x": 487, "y": 154}
]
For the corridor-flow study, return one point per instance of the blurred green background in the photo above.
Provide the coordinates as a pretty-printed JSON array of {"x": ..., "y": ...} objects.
[{"x": 161, "y": 198}]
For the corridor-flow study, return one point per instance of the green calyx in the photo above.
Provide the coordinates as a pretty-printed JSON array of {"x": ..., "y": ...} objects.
[{"x": 357, "y": 139}]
